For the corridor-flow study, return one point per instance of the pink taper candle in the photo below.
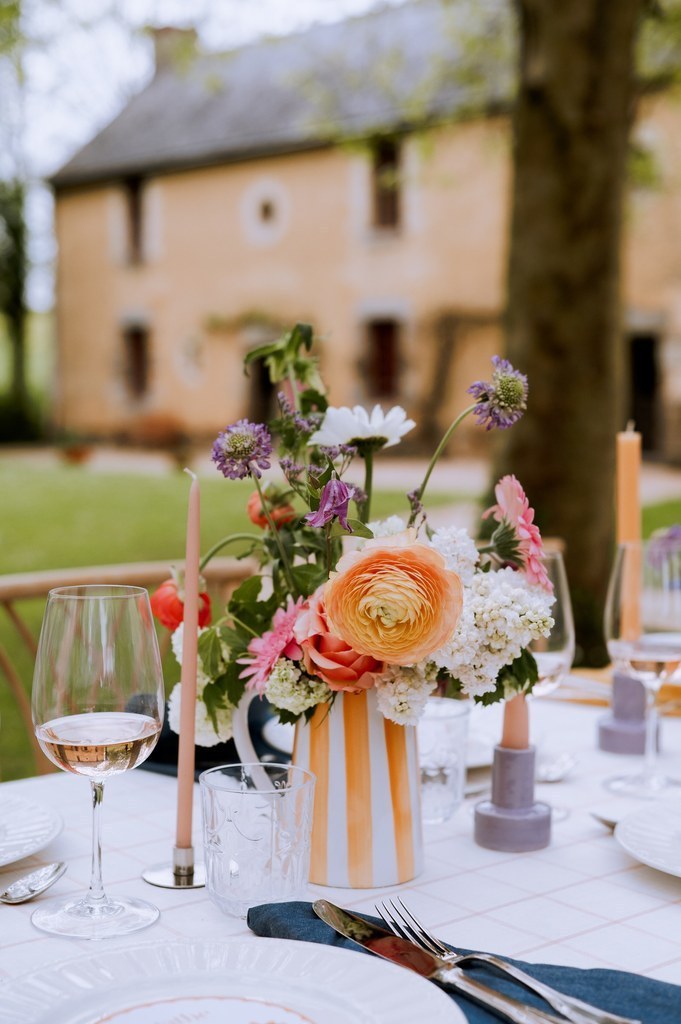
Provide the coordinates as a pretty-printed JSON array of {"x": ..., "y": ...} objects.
[
  {"x": 516, "y": 728},
  {"x": 185, "y": 759}
]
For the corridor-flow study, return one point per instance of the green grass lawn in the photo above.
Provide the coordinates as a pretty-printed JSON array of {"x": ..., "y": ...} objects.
[{"x": 63, "y": 516}]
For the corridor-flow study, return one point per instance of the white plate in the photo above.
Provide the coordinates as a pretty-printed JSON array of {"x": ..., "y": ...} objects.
[
  {"x": 25, "y": 827},
  {"x": 254, "y": 981},
  {"x": 479, "y": 748},
  {"x": 653, "y": 836}
]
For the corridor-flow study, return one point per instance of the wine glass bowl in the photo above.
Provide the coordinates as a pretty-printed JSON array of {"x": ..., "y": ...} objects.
[
  {"x": 97, "y": 706},
  {"x": 554, "y": 654},
  {"x": 643, "y": 634}
]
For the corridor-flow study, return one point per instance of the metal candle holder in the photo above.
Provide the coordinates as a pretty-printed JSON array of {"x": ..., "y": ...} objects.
[{"x": 183, "y": 873}]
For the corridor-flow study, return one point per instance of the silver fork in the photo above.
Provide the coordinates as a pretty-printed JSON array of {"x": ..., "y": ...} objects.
[{"x": 401, "y": 921}]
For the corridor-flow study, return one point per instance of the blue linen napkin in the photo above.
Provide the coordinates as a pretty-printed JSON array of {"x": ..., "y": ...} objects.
[{"x": 650, "y": 1001}]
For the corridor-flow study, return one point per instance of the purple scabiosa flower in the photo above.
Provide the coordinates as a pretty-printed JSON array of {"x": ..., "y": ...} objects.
[
  {"x": 241, "y": 449},
  {"x": 415, "y": 503},
  {"x": 338, "y": 451},
  {"x": 502, "y": 401},
  {"x": 333, "y": 502},
  {"x": 290, "y": 468}
]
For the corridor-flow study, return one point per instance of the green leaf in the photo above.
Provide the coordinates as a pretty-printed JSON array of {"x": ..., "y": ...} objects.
[
  {"x": 518, "y": 677},
  {"x": 246, "y": 593},
  {"x": 210, "y": 652},
  {"x": 261, "y": 352},
  {"x": 214, "y": 700},
  {"x": 287, "y": 717},
  {"x": 360, "y": 529},
  {"x": 310, "y": 399},
  {"x": 301, "y": 334},
  {"x": 307, "y": 578},
  {"x": 230, "y": 684},
  {"x": 235, "y": 640}
]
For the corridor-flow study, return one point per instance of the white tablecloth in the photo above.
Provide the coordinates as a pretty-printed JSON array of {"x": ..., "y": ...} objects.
[{"x": 582, "y": 901}]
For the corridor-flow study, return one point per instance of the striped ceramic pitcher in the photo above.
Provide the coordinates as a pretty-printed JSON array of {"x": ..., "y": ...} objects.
[{"x": 366, "y": 828}]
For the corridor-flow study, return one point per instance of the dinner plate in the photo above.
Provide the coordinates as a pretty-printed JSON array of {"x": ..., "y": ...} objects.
[
  {"x": 252, "y": 981},
  {"x": 479, "y": 748},
  {"x": 653, "y": 835},
  {"x": 25, "y": 828}
]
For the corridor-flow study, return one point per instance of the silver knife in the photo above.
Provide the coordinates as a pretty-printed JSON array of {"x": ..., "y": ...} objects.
[{"x": 383, "y": 943}]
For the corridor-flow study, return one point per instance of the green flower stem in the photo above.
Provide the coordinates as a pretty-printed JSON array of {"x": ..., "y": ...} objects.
[
  {"x": 329, "y": 548},
  {"x": 440, "y": 448},
  {"x": 223, "y": 544},
  {"x": 368, "y": 484},
  {"x": 243, "y": 625},
  {"x": 286, "y": 568}
]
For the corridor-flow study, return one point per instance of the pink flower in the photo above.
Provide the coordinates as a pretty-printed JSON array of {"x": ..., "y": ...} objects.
[
  {"x": 514, "y": 508},
  {"x": 329, "y": 657},
  {"x": 267, "y": 649}
]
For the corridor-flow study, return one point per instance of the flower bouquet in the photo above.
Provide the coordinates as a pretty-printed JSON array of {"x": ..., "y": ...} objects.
[{"x": 350, "y": 610}]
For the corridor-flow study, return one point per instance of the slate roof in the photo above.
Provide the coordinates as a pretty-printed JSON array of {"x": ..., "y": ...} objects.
[{"x": 391, "y": 68}]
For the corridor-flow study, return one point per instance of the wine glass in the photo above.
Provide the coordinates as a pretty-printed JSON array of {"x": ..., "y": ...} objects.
[
  {"x": 97, "y": 711},
  {"x": 554, "y": 654},
  {"x": 643, "y": 633}
]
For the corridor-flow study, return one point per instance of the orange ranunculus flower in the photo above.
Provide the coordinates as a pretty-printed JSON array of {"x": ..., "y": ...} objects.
[
  {"x": 328, "y": 656},
  {"x": 395, "y": 599}
]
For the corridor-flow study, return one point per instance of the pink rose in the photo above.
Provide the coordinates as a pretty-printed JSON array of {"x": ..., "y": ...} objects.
[{"x": 327, "y": 656}]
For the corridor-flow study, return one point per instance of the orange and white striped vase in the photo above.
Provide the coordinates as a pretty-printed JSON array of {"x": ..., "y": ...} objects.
[{"x": 366, "y": 828}]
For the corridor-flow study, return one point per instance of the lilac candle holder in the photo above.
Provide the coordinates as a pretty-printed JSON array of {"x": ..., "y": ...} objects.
[
  {"x": 623, "y": 730},
  {"x": 513, "y": 820}
]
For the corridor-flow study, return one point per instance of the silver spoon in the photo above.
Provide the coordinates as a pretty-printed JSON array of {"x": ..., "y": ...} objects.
[{"x": 32, "y": 885}]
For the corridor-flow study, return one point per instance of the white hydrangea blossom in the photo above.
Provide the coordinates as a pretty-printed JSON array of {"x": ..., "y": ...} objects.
[
  {"x": 205, "y": 734},
  {"x": 458, "y": 550},
  {"x": 402, "y": 692},
  {"x": 387, "y": 527},
  {"x": 501, "y": 615},
  {"x": 292, "y": 690},
  {"x": 176, "y": 644}
]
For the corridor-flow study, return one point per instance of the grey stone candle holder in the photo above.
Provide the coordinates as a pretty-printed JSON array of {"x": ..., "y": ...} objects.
[
  {"x": 513, "y": 820},
  {"x": 623, "y": 730}
]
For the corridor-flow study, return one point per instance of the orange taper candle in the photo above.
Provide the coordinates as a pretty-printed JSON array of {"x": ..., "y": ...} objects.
[
  {"x": 628, "y": 472},
  {"x": 185, "y": 759},
  {"x": 628, "y": 523}
]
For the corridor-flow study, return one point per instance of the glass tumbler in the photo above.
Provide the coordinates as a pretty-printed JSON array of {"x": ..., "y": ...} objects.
[
  {"x": 257, "y": 823},
  {"x": 442, "y": 732}
]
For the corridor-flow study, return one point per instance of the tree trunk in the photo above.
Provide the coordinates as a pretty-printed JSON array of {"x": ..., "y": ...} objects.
[
  {"x": 13, "y": 269},
  {"x": 571, "y": 124}
]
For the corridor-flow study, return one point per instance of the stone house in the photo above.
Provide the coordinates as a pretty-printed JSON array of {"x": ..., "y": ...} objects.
[{"x": 335, "y": 176}]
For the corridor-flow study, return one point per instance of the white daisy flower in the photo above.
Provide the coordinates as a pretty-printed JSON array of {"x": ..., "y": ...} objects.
[{"x": 342, "y": 425}]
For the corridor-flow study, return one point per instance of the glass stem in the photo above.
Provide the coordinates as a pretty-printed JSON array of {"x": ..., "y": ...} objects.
[
  {"x": 650, "y": 758},
  {"x": 96, "y": 893}
]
